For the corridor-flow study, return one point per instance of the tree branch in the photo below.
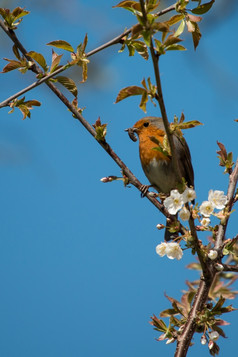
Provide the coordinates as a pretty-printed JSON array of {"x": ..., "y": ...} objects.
[
  {"x": 199, "y": 301},
  {"x": 230, "y": 196},
  {"x": 133, "y": 180},
  {"x": 209, "y": 272}
]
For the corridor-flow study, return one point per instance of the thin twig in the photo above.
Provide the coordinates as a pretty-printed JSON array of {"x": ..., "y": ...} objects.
[
  {"x": 155, "y": 60},
  {"x": 228, "y": 267},
  {"x": 33, "y": 85}
]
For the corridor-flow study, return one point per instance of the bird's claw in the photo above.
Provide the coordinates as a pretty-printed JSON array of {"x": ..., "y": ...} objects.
[{"x": 144, "y": 189}]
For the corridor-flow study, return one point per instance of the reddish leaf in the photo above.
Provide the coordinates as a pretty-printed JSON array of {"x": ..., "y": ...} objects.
[
  {"x": 11, "y": 65},
  {"x": 128, "y": 92},
  {"x": 129, "y": 5}
]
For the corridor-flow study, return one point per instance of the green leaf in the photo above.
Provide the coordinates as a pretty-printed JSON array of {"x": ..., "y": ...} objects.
[
  {"x": 180, "y": 29},
  {"x": 143, "y": 82},
  {"x": 188, "y": 124},
  {"x": 141, "y": 48},
  {"x": 69, "y": 84},
  {"x": 168, "y": 312},
  {"x": 19, "y": 12},
  {"x": 25, "y": 111},
  {"x": 23, "y": 106},
  {"x": 174, "y": 19},
  {"x": 144, "y": 100},
  {"x": 61, "y": 44},
  {"x": 216, "y": 309},
  {"x": 131, "y": 49},
  {"x": 146, "y": 36},
  {"x": 160, "y": 48},
  {"x": 39, "y": 58},
  {"x": 202, "y": 9},
  {"x": 152, "y": 5},
  {"x": 85, "y": 72},
  {"x": 171, "y": 40},
  {"x": 11, "y": 17},
  {"x": 175, "y": 47},
  {"x": 85, "y": 42}
]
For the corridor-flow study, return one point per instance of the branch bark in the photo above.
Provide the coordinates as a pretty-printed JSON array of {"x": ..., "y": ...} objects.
[{"x": 230, "y": 196}]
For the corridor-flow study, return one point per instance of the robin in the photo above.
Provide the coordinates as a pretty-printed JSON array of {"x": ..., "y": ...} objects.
[{"x": 156, "y": 165}]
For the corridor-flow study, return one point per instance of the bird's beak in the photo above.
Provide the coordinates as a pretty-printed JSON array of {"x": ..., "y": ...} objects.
[{"x": 131, "y": 133}]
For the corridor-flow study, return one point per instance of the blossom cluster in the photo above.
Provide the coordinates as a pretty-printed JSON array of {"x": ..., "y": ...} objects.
[
  {"x": 176, "y": 201},
  {"x": 216, "y": 199},
  {"x": 172, "y": 250}
]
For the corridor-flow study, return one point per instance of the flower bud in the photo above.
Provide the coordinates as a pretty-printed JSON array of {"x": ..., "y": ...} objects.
[
  {"x": 219, "y": 267},
  {"x": 170, "y": 340},
  {"x": 153, "y": 194},
  {"x": 212, "y": 254},
  {"x": 214, "y": 335}
]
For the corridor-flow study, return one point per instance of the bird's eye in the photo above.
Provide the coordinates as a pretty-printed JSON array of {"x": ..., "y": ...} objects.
[{"x": 146, "y": 124}]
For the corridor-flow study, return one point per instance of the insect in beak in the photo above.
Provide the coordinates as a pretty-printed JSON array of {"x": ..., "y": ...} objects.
[{"x": 131, "y": 133}]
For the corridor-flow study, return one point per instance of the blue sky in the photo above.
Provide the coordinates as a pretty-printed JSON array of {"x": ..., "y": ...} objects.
[{"x": 78, "y": 269}]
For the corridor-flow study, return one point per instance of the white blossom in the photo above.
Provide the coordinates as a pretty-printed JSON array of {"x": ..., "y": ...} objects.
[
  {"x": 214, "y": 335},
  {"x": 212, "y": 254},
  {"x": 174, "y": 251},
  {"x": 205, "y": 222},
  {"x": 203, "y": 340},
  {"x": 184, "y": 214},
  {"x": 188, "y": 195},
  {"x": 161, "y": 249},
  {"x": 174, "y": 202},
  {"x": 206, "y": 208},
  {"x": 217, "y": 198}
]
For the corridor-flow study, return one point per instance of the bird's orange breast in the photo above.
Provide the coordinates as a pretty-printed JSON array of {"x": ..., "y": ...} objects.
[{"x": 146, "y": 146}]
